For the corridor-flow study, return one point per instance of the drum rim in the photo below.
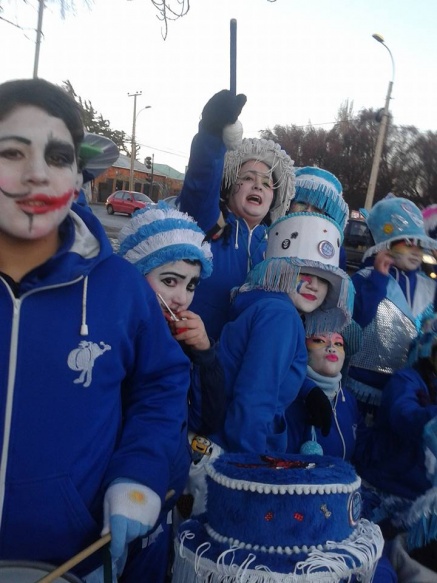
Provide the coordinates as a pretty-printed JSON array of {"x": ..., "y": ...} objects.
[{"x": 49, "y": 567}]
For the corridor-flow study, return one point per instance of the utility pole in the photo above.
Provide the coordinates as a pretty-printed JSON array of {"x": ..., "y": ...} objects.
[
  {"x": 134, "y": 147},
  {"x": 38, "y": 38},
  {"x": 151, "y": 177}
]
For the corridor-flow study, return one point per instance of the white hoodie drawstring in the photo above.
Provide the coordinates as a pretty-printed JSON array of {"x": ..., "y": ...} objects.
[
  {"x": 236, "y": 234},
  {"x": 84, "y": 326}
]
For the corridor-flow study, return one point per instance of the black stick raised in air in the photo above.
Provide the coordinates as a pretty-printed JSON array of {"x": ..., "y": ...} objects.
[{"x": 233, "y": 55}]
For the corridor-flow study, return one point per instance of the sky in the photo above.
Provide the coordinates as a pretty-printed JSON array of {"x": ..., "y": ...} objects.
[{"x": 298, "y": 61}]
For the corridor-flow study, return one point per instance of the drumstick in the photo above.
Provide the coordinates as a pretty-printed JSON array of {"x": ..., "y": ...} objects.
[
  {"x": 95, "y": 546},
  {"x": 233, "y": 56}
]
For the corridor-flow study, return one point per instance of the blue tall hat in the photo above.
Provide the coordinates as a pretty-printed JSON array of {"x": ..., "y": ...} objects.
[
  {"x": 396, "y": 219},
  {"x": 159, "y": 234},
  {"x": 323, "y": 190}
]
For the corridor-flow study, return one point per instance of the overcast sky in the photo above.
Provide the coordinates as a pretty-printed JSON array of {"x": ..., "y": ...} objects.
[{"x": 298, "y": 61}]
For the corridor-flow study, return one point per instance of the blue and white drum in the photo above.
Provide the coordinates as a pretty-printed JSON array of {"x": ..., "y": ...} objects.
[{"x": 30, "y": 572}]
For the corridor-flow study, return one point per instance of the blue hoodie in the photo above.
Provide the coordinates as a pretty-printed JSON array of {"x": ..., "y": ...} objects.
[
  {"x": 93, "y": 388},
  {"x": 236, "y": 251},
  {"x": 262, "y": 351}
]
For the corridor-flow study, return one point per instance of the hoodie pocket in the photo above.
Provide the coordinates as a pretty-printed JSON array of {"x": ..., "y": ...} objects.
[{"x": 46, "y": 520}]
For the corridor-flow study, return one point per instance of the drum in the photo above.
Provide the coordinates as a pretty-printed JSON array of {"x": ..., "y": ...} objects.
[{"x": 29, "y": 572}]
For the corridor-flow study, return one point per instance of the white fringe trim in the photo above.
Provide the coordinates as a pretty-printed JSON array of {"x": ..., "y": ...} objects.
[{"x": 340, "y": 562}]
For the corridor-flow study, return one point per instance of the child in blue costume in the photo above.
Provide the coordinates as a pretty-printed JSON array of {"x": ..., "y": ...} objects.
[
  {"x": 393, "y": 297},
  {"x": 393, "y": 461},
  {"x": 168, "y": 249},
  {"x": 93, "y": 385},
  {"x": 262, "y": 349},
  {"x": 326, "y": 354},
  {"x": 233, "y": 195}
]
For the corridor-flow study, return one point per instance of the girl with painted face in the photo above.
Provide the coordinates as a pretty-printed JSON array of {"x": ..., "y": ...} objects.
[
  {"x": 393, "y": 294},
  {"x": 326, "y": 354},
  {"x": 262, "y": 349},
  {"x": 234, "y": 189},
  {"x": 168, "y": 248},
  {"x": 86, "y": 357}
]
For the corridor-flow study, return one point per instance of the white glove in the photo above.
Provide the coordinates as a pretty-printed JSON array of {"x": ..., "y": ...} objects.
[{"x": 130, "y": 510}]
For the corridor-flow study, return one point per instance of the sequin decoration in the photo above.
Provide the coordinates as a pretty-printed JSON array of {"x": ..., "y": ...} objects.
[
  {"x": 268, "y": 516},
  {"x": 324, "y": 508},
  {"x": 298, "y": 516}
]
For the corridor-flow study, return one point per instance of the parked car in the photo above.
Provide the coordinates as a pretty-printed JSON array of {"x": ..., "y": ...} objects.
[
  {"x": 126, "y": 201},
  {"x": 357, "y": 239}
]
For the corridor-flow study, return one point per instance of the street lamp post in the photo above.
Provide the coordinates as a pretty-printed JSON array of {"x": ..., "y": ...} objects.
[{"x": 381, "y": 135}]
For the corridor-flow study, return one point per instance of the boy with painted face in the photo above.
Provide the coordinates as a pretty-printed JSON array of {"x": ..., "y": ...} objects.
[
  {"x": 234, "y": 189},
  {"x": 90, "y": 373},
  {"x": 262, "y": 349},
  {"x": 393, "y": 297}
]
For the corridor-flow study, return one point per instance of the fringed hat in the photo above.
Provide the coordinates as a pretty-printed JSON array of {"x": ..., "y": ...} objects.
[
  {"x": 96, "y": 154},
  {"x": 430, "y": 220},
  {"x": 395, "y": 219},
  {"x": 321, "y": 189},
  {"x": 309, "y": 243},
  {"x": 158, "y": 234},
  {"x": 277, "y": 159}
]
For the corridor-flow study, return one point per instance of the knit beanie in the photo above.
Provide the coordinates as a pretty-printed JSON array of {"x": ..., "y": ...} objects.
[{"x": 159, "y": 234}]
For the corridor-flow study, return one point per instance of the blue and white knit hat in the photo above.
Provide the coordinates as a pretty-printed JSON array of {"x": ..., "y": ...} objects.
[
  {"x": 158, "y": 234},
  {"x": 395, "y": 219},
  {"x": 323, "y": 190},
  {"x": 309, "y": 243},
  {"x": 277, "y": 159}
]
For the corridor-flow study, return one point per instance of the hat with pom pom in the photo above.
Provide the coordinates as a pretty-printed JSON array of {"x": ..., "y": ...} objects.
[
  {"x": 277, "y": 159},
  {"x": 159, "y": 234}
]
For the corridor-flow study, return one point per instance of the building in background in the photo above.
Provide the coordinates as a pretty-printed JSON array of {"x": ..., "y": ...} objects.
[{"x": 166, "y": 180}]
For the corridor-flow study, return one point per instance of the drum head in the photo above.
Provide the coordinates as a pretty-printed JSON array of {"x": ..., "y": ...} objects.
[{"x": 29, "y": 572}]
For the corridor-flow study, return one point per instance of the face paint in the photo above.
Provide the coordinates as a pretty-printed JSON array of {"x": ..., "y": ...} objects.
[
  {"x": 252, "y": 194},
  {"x": 326, "y": 353},
  {"x": 176, "y": 283},
  {"x": 38, "y": 173},
  {"x": 310, "y": 293},
  {"x": 406, "y": 256}
]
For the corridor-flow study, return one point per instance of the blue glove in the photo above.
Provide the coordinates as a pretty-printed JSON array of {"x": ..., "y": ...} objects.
[{"x": 130, "y": 510}]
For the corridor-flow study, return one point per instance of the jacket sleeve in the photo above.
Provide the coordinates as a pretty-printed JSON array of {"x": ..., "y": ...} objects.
[
  {"x": 207, "y": 398},
  {"x": 154, "y": 401},
  {"x": 258, "y": 392},
  {"x": 401, "y": 401},
  {"x": 371, "y": 288},
  {"x": 200, "y": 195}
]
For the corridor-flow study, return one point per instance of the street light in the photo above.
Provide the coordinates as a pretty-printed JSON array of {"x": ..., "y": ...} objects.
[
  {"x": 381, "y": 135},
  {"x": 134, "y": 147}
]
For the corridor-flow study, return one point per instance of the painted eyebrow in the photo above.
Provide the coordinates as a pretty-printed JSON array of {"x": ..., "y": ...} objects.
[
  {"x": 16, "y": 138},
  {"x": 174, "y": 273}
]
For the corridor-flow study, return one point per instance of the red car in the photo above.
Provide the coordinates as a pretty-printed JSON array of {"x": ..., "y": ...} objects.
[{"x": 126, "y": 201}]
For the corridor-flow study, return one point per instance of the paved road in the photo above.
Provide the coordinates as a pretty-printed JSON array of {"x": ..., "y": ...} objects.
[{"x": 111, "y": 223}]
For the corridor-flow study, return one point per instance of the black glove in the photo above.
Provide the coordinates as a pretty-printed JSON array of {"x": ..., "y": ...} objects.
[
  {"x": 221, "y": 110},
  {"x": 319, "y": 410}
]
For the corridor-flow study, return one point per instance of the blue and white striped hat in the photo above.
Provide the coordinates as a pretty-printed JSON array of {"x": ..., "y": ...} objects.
[
  {"x": 159, "y": 234},
  {"x": 322, "y": 190}
]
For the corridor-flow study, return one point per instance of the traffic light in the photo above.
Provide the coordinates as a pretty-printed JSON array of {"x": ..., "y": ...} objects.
[{"x": 148, "y": 163}]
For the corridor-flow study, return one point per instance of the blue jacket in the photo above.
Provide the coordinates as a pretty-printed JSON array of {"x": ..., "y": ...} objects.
[
  {"x": 262, "y": 351},
  {"x": 341, "y": 440},
  {"x": 393, "y": 459},
  {"x": 236, "y": 251},
  {"x": 79, "y": 411}
]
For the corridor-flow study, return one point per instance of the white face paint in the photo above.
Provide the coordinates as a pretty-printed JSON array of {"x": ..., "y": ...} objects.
[
  {"x": 38, "y": 173},
  {"x": 326, "y": 353},
  {"x": 176, "y": 283},
  {"x": 406, "y": 256},
  {"x": 309, "y": 294}
]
